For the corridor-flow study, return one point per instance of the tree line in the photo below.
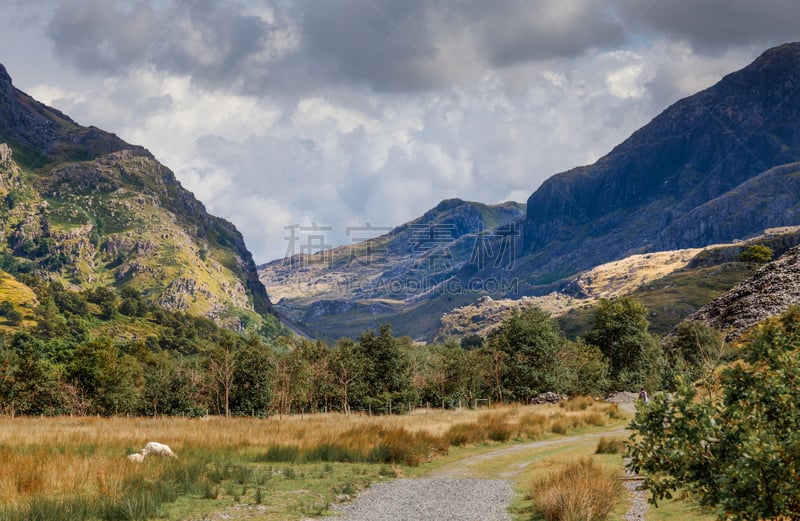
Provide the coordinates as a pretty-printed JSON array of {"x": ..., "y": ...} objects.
[{"x": 73, "y": 361}]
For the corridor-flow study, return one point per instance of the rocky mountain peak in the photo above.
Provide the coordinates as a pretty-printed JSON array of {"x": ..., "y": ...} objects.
[
  {"x": 109, "y": 213},
  {"x": 780, "y": 61}
]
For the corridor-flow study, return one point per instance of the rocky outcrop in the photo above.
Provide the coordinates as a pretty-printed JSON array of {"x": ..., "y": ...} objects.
[
  {"x": 487, "y": 314},
  {"x": 768, "y": 293},
  {"x": 9, "y": 172}
]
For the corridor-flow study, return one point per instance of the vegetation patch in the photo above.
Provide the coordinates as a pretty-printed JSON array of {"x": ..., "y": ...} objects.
[{"x": 582, "y": 491}]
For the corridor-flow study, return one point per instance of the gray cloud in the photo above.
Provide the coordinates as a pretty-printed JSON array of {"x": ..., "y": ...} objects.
[
  {"x": 282, "y": 112},
  {"x": 387, "y": 45},
  {"x": 214, "y": 42},
  {"x": 519, "y": 31},
  {"x": 712, "y": 25},
  {"x": 276, "y": 47},
  {"x": 102, "y": 35}
]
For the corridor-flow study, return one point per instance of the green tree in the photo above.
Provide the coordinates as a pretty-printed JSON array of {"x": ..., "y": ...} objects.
[
  {"x": 108, "y": 379},
  {"x": 221, "y": 368},
  {"x": 448, "y": 375},
  {"x": 757, "y": 254},
  {"x": 695, "y": 349},
  {"x": 254, "y": 370},
  {"x": 37, "y": 390},
  {"x": 472, "y": 341},
  {"x": 388, "y": 372},
  {"x": 132, "y": 305},
  {"x": 106, "y": 299},
  {"x": 168, "y": 388},
  {"x": 620, "y": 331},
  {"x": 348, "y": 367},
  {"x": 8, "y": 310},
  {"x": 585, "y": 368},
  {"x": 737, "y": 452},
  {"x": 530, "y": 342}
]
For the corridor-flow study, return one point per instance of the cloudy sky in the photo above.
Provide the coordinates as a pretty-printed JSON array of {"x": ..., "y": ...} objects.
[{"x": 345, "y": 112}]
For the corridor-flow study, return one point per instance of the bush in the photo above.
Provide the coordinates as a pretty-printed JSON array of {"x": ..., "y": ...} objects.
[
  {"x": 738, "y": 450},
  {"x": 757, "y": 253},
  {"x": 582, "y": 491},
  {"x": 462, "y": 434}
]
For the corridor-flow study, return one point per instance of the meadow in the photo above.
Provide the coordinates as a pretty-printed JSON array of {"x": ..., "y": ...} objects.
[{"x": 292, "y": 467}]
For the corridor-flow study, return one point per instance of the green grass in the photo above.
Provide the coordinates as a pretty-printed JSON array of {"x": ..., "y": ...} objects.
[
  {"x": 679, "y": 509},
  {"x": 281, "y": 491}
]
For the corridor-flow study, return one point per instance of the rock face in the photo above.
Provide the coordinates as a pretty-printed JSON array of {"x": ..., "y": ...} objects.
[
  {"x": 89, "y": 209},
  {"x": 701, "y": 172},
  {"x": 769, "y": 292}
]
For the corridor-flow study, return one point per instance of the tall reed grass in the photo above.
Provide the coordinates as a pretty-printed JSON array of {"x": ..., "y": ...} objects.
[{"x": 583, "y": 491}]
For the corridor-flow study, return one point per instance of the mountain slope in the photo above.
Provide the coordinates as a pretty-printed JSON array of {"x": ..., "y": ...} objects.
[
  {"x": 81, "y": 206},
  {"x": 392, "y": 278},
  {"x": 768, "y": 293},
  {"x": 648, "y": 192}
]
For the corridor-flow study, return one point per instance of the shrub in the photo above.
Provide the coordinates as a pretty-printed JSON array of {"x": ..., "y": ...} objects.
[
  {"x": 497, "y": 428},
  {"x": 737, "y": 449},
  {"x": 578, "y": 403},
  {"x": 582, "y": 491},
  {"x": 757, "y": 253},
  {"x": 462, "y": 434},
  {"x": 332, "y": 452},
  {"x": 559, "y": 427},
  {"x": 610, "y": 446}
]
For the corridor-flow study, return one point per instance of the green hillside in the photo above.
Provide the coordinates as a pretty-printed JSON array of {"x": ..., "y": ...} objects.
[{"x": 81, "y": 207}]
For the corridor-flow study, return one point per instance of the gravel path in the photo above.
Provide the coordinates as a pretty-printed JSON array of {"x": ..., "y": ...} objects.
[
  {"x": 639, "y": 503},
  {"x": 448, "y": 493},
  {"x": 431, "y": 499}
]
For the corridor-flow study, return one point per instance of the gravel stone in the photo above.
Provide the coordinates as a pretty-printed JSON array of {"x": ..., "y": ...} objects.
[
  {"x": 639, "y": 504},
  {"x": 431, "y": 499}
]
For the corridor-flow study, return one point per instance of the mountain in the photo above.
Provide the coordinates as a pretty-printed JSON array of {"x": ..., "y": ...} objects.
[
  {"x": 396, "y": 277},
  {"x": 716, "y": 166},
  {"x": 82, "y": 207},
  {"x": 719, "y": 166}
]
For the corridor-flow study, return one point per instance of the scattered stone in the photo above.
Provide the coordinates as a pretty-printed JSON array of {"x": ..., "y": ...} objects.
[
  {"x": 548, "y": 397},
  {"x": 622, "y": 397}
]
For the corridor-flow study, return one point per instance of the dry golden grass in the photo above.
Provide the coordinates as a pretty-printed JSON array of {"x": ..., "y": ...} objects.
[
  {"x": 70, "y": 456},
  {"x": 583, "y": 491}
]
